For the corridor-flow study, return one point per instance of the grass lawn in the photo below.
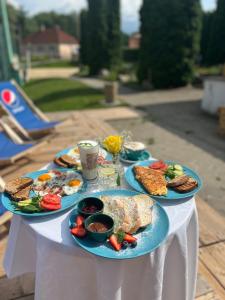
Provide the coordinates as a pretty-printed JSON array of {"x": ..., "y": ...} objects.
[
  {"x": 55, "y": 94},
  {"x": 56, "y": 64},
  {"x": 210, "y": 71}
]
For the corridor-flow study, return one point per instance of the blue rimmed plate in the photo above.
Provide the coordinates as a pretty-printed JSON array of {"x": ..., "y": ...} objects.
[
  {"x": 67, "y": 201},
  {"x": 102, "y": 152},
  {"x": 171, "y": 194},
  {"x": 148, "y": 239},
  {"x": 144, "y": 156}
]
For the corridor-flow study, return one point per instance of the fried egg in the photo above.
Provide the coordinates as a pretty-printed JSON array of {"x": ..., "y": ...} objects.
[
  {"x": 72, "y": 186},
  {"x": 44, "y": 178}
]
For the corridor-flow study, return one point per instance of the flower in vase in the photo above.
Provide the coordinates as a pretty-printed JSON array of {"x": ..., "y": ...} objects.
[{"x": 113, "y": 144}]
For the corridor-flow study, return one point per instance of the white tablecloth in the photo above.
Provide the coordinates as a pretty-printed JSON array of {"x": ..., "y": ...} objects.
[{"x": 64, "y": 271}]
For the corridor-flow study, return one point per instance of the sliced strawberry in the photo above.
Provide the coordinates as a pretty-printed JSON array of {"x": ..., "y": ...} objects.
[
  {"x": 78, "y": 231},
  {"x": 114, "y": 242},
  {"x": 129, "y": 238},
  {"x": 80, "y": 221}
]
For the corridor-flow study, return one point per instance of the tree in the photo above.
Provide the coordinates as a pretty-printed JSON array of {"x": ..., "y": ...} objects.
[
  {"x": 170, "y": 32},
  {"x": 84, "y": 37},
  {"x": 113, "y": 33},
  {"x": 216, "y": 51},
  {"x": 97, "y": 35},
  {"x": 207, "y": 22}
]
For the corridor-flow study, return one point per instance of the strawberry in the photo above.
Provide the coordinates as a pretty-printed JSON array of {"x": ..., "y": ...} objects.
[
  {"x": 80, "y": 221},
  {"x": 78, "y": 231},
  {"x": 129, "y": 238},
  {"x": 114, "y": 242}
]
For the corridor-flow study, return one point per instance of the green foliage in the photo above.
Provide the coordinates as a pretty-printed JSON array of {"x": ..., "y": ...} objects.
[
  {"x": 130, "y": 55},
  {"x": 216, "y": 49},
  {"x": 113, "y": 34},
  {"x": 207, "y": 22},
  {"x": 84, "y": 37},
  {"x": 124, "y": 39},
  {"x": 98, "y": 53},
  {"x": 170, "y": 41}
]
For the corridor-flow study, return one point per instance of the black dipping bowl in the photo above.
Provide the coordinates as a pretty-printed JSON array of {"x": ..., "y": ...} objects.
[
  {"x": 99, "y": 236},
  {"x": 88, "y": 202}
]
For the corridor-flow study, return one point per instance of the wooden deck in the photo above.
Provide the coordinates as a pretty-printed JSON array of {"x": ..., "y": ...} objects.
[{"x": 211, "y": 274}]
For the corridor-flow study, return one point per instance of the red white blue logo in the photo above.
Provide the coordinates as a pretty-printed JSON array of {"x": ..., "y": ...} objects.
[{"x": 9, "y": 98}]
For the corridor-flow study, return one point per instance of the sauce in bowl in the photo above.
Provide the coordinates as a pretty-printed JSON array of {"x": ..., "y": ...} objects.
[{"x": 98, "y": 227}]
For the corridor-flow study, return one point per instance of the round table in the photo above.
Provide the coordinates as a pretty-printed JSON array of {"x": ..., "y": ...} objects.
[{"x": 63, "y": 270}]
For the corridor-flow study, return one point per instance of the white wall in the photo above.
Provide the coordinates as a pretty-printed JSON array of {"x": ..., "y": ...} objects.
[{"x": 214, "y": 94}]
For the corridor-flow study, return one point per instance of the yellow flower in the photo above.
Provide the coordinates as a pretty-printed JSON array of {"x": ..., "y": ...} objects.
[{"x": 113, "y": 144}]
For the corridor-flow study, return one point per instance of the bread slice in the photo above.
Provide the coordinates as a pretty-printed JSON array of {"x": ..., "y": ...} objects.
[
  {"x": 58, "y": 162},
  {"x": 22, "y": 194},
  {"x": 15, "y": 185},
  {"x": 187, "y": 187},
  {"x": 70, "y": 161},
  {"x": 144, "y": 207},
  {"x": 179, "y": 180}
]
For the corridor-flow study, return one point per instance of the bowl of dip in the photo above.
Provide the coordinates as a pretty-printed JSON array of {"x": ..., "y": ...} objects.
[
  {"x": 90, "y": 206},
  {"x": 133, "y": 150},
  {"x": 99, "y": 227}
]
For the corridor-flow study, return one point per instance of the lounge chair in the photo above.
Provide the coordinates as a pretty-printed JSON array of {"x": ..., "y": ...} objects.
[
  {"x": 12, "y": 147},
  {"x": 26, "y": 117},
  {"x": 5, "y": 216}
]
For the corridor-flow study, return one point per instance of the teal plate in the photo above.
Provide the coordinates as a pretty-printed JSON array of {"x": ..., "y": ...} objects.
[
  {"x": 65, "y": 151},
  {"x": 171, "y": 195},
  {"x": 148, "y": 239},
  {"x": 67, "y": 201},
  {"x": 144, "y": 156}
]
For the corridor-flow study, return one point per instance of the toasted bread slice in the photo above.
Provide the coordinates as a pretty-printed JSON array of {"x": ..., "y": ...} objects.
[
  {"x": 58, "y": 162},
  {"x": 187, "y": 187},
  {"x": 15, "y": 185},
  {"x": 144, "y": 207},
  {"x": 179, "y": 180},
  {"x": 22, "y": 194},
  {"x": 70, "y": 161}
]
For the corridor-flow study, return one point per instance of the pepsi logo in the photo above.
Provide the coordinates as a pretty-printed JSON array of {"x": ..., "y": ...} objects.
[{"x": 9, "y": 98}]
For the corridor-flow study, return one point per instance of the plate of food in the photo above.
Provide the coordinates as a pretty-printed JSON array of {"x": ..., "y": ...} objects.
[
  {"x": 43, "y": 192},
  {"x": 70, "y": 157},
  {"x": 118, "y": 224},
  {"x": 163, "y": 180}
]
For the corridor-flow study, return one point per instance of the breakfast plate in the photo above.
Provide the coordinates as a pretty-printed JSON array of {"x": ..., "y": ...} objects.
[
  {"x": 67, "y": 201},
  {"x": 146, "y": 155},
  {"x": 171, "y": 193},
  {"x": 148, "y": 239},
  {"x": 73, "y": 152}
]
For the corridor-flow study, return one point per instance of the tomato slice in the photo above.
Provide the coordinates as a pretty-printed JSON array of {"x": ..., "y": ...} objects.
[
  {"x": 52, "y": 199},
  {"x": 158, "y": 165},
  {"x": 49, "y": 206}
]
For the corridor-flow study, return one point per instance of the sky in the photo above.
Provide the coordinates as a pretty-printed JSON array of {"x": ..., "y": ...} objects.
[{"x": 130, "y": 12}]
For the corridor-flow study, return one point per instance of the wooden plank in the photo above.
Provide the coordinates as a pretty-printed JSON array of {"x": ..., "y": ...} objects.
[
  {"x": 209, "y": 296},
  {"x": 213, "y": 257},
  {"x": 211, "y": 223},
  {"x": 212, "y": 288}
]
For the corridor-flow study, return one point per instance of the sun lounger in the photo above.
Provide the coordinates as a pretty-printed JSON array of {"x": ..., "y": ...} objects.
[
  {"x": 11, "y": 147},
  {"x": 27, "y": 118}
]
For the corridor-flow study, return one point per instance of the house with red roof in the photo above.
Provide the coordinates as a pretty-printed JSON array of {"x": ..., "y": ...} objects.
[{"x": 51, "y": 43}]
